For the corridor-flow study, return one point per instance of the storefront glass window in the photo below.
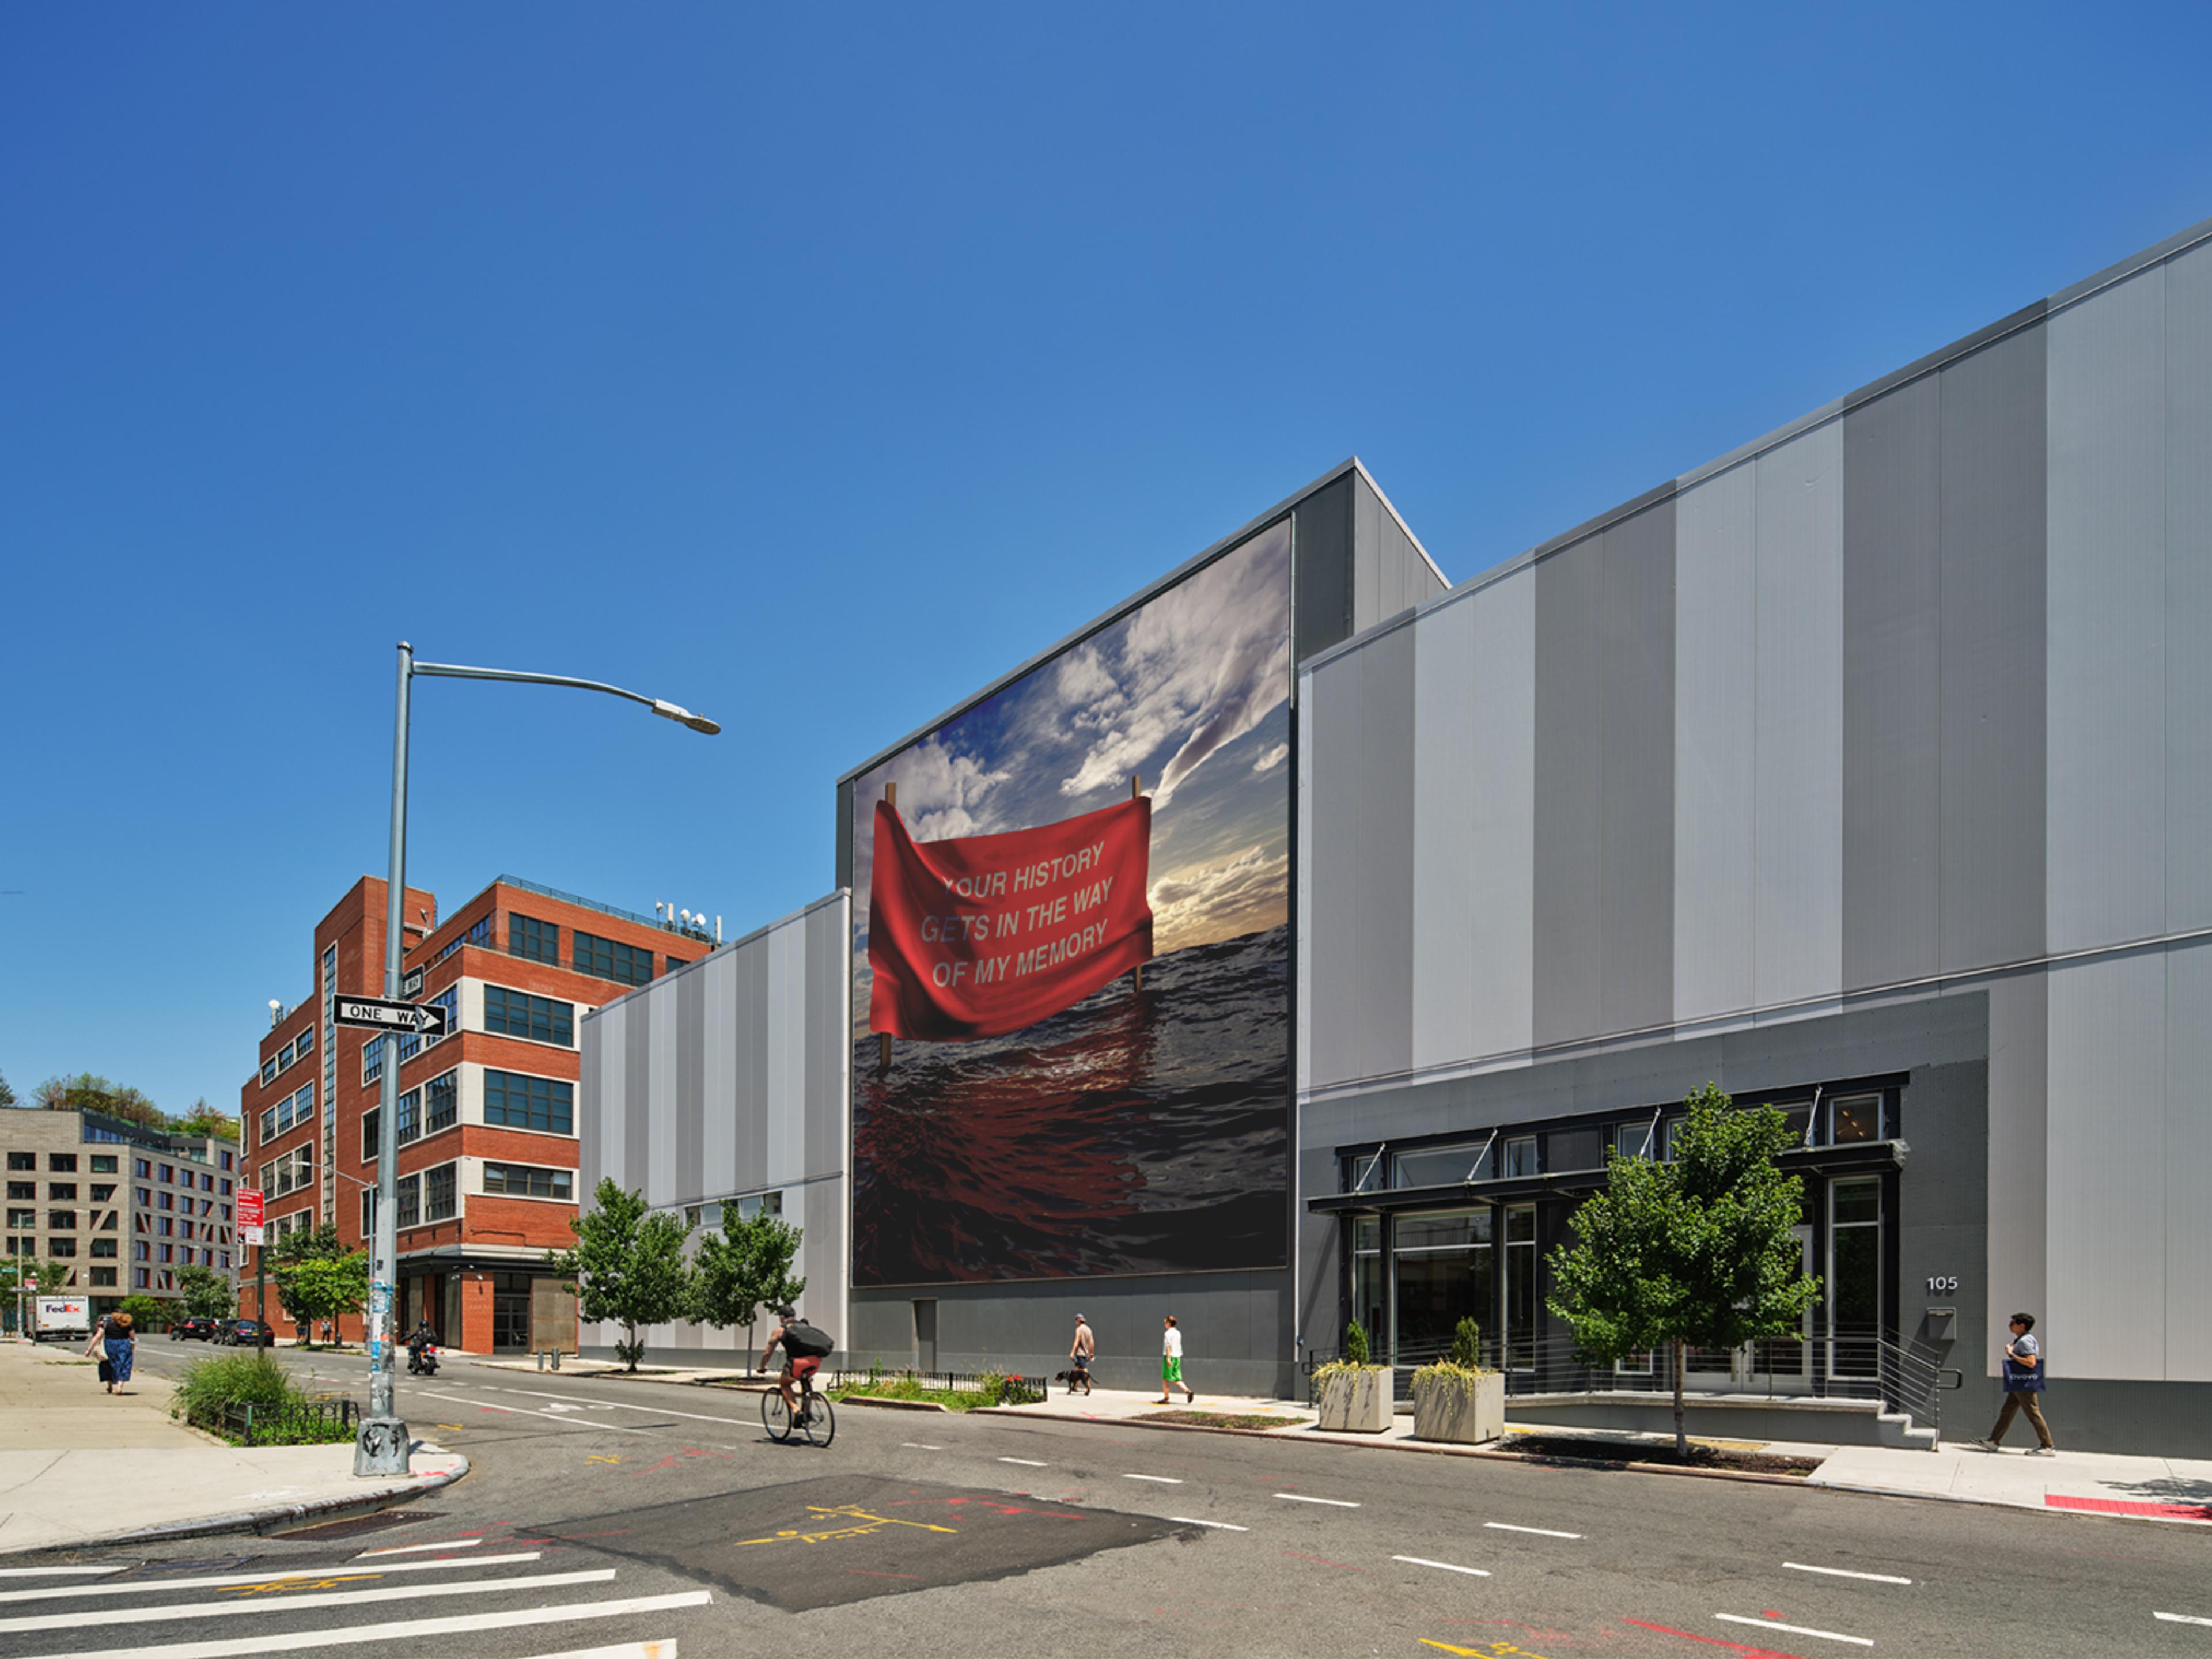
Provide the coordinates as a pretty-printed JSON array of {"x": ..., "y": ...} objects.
[
  {"x": 1855, "y": 1117},
  {"x": 1519, "y": 1286},
  {"x": 1574, "y": 1149},
  {"x": 1437, "y": 1166},
  {"x": 1854, "y": 1290},
  {"x": 1443, "y": 1263},
  {"x": 1519, "y": 1158},
  {"x": 1367, "y": 1279}
]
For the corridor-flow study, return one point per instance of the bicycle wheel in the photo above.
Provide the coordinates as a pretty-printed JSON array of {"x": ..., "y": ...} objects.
[
  {"x": 775, "y": 1416},
  {"x": 820, "y": 1419}
]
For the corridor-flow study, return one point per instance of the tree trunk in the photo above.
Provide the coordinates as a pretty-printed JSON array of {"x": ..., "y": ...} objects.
[
  {"x": 629, "y": 1331},
  {"x": 1682, "y": 1440}
]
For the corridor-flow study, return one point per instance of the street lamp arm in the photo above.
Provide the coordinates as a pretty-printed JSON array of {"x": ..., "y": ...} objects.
[{"x": 666, "y": 710}]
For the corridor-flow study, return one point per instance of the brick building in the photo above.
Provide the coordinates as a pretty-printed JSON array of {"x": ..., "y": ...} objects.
[
  {"x": 118, "y": 1208},
  {"x": 487, "y": 1161}
]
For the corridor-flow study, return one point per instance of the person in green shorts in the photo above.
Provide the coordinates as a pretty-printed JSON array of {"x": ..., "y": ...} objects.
[{"x": 1171, "y": 1364}]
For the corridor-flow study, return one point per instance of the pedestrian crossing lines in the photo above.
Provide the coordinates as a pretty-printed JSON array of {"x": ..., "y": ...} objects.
[{"x": 490, "y": 1606}]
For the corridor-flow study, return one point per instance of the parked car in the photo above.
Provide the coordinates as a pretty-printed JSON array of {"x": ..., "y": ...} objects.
[
  {"x": 194, "y": 1329},
  {"x": 247, "y": 1334}
]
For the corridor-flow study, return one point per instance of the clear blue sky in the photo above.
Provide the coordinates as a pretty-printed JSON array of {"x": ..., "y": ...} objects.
[{"x": 811, "y": 367}]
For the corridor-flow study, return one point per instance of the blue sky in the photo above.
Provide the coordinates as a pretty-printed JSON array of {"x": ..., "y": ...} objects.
[{"x": 813, "y": 370}]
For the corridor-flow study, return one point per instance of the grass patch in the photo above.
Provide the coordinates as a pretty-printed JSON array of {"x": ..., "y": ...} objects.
[
  {"x": 988, "y": 1389},
  {"x": 1224, "y": 1419}
]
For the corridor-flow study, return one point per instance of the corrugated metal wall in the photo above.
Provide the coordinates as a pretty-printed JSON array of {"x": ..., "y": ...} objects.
[
  {"x": 728, "y": 1079},
  {"x": 1918, "y": 689}
]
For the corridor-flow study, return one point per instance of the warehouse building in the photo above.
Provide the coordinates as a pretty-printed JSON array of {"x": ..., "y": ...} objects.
[{"x": 1865, "y": 771}]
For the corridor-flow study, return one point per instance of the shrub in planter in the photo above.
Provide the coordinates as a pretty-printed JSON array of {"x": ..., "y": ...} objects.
[
  {"x": 1351, "y": 1395},
  {"x": 1455, "y": 1400}
]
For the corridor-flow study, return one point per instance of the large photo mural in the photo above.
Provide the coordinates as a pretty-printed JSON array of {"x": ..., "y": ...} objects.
[{"x": 1071, "y": 956}]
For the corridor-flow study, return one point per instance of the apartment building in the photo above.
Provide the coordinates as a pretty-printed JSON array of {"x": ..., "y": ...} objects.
[
  {"x": 120, "y": 1208},
  {"x": 487, "y": 1180}
]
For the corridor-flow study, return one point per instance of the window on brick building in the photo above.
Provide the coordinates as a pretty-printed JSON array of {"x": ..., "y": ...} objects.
[
  {"x": 523, "y": 1181},
  {"x": 625, "y": 964},
  {"x": 517, "y": 1101},
  {"x": 444, "y": 1108},
  {"x": 531, "y": 939},
  {"x": 62, "y": 1163},
  {"x": 440, "y": 1200},
  {"x": 516, "y": 1014},
  {"x": 408, "y": 1212}
]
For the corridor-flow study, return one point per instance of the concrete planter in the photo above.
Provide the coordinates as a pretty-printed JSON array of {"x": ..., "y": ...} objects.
[
  {"x": 1355, "y": 1402},
  {"x": 1466, "y": 1417}
]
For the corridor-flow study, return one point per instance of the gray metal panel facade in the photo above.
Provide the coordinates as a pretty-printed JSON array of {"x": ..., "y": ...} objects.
[
  {"x": 692, "y": 1094},
  {"x": 1636, "y": 831},
  {"x": 1391, "y": 575},
  {"x": 1893, "y": 683},
  {"x": 1990, "y": 886},
  {"x": 2189, "y": 589},
  {"x": 2105, "y": 786},
  {"x": 1716, "y": 662},
  {"x": 1383, "y": 987},
  {"x": 1569, "y": 760},
  {"x": 1322, "y": 552},
  {"x": 2186, "y": 1154},
  {"x": 1443, "y": 818}
]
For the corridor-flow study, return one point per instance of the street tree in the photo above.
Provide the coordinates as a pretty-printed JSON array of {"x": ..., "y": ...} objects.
[
  {"x": 745, "y": 1265},
  {"x": 7, "y": 1095},
  {"x": 318, "y": 1276},
  {"x": 207, "y": 1293},
  {"x": 627, "y": 1266},
  {"x": 90, "y": 1092},
  {"x": 146, "y": 1311},
  {"x": 1697, "y": 1251}
]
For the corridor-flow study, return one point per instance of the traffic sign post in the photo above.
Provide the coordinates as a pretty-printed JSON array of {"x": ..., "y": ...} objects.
[
  {"x": 385, "y": 1014},
  {"x": 251, "y": 1212}
]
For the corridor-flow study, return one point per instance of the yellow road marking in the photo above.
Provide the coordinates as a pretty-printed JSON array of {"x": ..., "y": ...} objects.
[
  {"x": 277, "y": 1585},
  {"x": 867, "y": 1524},
  {"x": 603, "y": 1457}
]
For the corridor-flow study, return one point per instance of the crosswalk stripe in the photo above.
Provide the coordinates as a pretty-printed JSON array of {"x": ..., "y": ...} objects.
[
  {"x": 55, "y": 1572},
  {"x": 295, "y": 1641},
  {"x": 59, "y": 1592},
  {"x": 419, "y": 1549},
  {"x": 285, "y": 1603}
]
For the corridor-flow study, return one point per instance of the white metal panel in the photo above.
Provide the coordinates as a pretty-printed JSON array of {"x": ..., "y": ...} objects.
[
  {"x": 1329, "y": 951},
  {"x": 1798, "y": 798},
  {"x": 786, "y": 1042},
  {"x": 664, "y": 1021},
  {"x": 719, "y": 1073},
  {"x": 2107, "y": 1205},
  {"x": 1303, "y": 943},
  {"x": 2188, "y": 592},
  {"x": 1715, "y": 590},
  {"x": 2188, "y": 1320},
  {"x": 2106, "y": 800},
  {"x": 1446, "y": 792},
  {"x": 1503, "y": 852},
  {"x": 609, "y": 1130}
]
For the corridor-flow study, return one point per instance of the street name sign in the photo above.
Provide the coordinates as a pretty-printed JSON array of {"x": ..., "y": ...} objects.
[{"x": 376, "y": 1014}]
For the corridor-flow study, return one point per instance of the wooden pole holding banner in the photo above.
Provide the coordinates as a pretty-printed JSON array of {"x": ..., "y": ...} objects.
[
  {"x": 1136, "y": 793},
  {"x": 883, "y": 1038}
]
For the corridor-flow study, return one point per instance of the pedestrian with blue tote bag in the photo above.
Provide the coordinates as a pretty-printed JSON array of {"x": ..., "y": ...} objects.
[{"x": 2024, "y": 1378}]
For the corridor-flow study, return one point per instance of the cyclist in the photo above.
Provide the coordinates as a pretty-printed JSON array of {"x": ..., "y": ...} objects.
[{"x": 804, "y": 1350}]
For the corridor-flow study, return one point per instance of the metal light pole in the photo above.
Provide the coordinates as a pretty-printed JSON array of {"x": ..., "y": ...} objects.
[{"x": 382, "y": 1447}]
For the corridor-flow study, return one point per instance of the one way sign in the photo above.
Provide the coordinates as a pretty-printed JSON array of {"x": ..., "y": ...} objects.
[{"x": 378, "y": 1015}]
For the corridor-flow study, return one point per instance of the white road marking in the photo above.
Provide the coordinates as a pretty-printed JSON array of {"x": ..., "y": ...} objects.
[
  {"x": 2180, "y": 1619},
  {"x": 916, "y": 1445},
  {"x": 419, "y": 1549},
  {"x": 1162, "y": 1479},
  {"x": 629, "y": 1406},
  {"x": 1026, "y": 1463},
  {"x": 398, "y": 1631},
  {"x": 664, "y": 1649},
  {"x": 53, "y": 1572},
  {"x": 1845, "y": 1572},
  {"x": 1192, "y": 1521},
  {"x": 550, "y": 1416},
  {"x": 1541, "y": 1532},
  {"x": 290, "y": 1603},
  {"x": 131, "y": 1585},
  {"x": 1300, "y": 1497},
  {"x": 1444, "y": 1566},
  {"x": 1795, "y": 1630}
]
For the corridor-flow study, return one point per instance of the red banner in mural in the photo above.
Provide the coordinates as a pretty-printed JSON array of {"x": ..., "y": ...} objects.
[{"x": 982, "y": 935}]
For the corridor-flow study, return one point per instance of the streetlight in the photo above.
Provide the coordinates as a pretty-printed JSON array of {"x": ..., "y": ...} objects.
[{"x": 382, "y": 1447}]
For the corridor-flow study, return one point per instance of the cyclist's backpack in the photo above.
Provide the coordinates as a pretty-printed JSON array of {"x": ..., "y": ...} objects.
[{"x": 807, "y": 1341}]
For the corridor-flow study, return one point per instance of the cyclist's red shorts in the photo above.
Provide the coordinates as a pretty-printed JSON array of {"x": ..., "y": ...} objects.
[{"x": 802, "y": 1369}]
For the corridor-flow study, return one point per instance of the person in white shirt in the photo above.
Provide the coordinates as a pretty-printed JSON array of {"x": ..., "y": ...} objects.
[{"x": 1171, "y": 1364}]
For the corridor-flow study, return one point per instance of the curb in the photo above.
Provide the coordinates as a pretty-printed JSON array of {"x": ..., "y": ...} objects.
[
  {"x": 264, "y": 1520},
  {"x": 1796, "y": 1482},
  {"x": 905, "y": 1405}
]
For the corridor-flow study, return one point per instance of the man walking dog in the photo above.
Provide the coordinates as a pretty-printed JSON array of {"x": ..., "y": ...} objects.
[{"x": 1080, "y": 1352}]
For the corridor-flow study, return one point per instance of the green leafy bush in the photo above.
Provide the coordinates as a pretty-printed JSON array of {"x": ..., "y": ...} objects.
[
  {"x": 1466, "y": 1345},
  {"x": 284, "y": 1414},
  {"x": 1355, "y": 1349}
]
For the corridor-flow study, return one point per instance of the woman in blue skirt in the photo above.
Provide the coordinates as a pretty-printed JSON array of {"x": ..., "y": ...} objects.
[{"x": 113, "y": 1342}]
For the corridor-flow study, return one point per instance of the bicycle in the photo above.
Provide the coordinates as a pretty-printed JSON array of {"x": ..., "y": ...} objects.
[{"x": 816, "y": 1418}]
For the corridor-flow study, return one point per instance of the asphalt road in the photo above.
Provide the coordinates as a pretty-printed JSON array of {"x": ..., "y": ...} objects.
[{"x": 604, "y": 1515}]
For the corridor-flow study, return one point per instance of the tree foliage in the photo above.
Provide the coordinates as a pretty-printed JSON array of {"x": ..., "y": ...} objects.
[
  {"x": 204, "y": 1119},
  {"x": 318, "y": 1276},
  {"x": 7, "y": 1095},
  {"x": 146, "y": 1311},
  {"x": 627, "y": 1266},
  {"x": 87, "y": 1091},
  {"x": 746, "y": 1265},
  {"x": 1700, "y": 1251},
  {"x": 207, "y": 1293}
]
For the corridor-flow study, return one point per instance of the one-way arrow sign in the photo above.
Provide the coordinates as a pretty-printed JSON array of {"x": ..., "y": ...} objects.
[{"x": 378, "y": 1015}]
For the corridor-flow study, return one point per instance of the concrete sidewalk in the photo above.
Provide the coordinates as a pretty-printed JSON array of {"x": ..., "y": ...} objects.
[{"x": 80, "y": 1466}]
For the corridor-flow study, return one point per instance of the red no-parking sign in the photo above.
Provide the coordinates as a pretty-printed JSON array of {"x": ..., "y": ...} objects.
[{"x": 251, "y": 1214}]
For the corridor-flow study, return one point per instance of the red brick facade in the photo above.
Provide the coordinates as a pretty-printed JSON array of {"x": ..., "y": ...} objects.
[{"x": 492, "y": 1114}]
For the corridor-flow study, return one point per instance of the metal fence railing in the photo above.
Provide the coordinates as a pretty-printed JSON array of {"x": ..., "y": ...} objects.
[
  {"x": 1011, "y": 1388},
  {"x": 295, "y": 1422}
]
